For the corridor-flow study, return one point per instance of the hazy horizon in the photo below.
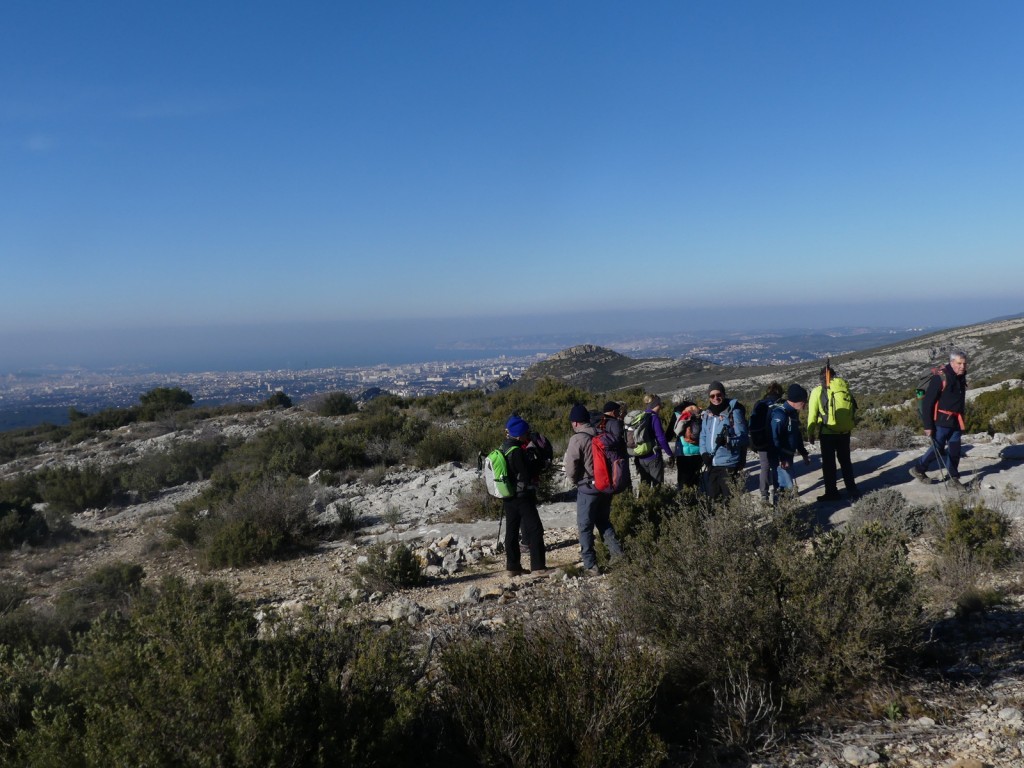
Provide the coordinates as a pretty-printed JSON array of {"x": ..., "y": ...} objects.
[{"x": 342, "y": 344}]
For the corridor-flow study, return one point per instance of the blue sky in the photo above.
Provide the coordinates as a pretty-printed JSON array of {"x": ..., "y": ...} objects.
[{"x": 197, "y": 164}]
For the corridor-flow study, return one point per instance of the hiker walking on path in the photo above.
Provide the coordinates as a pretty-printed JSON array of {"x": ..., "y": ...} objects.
[
  {"x": 787, "y": 441},
  {"x": 593, "y": 508},
  {"x": 687, "y": 430},
  {"x": 942, "y": 414},
  {"x": 723, "y": 440},
  {"x": 651, "y": 468},
  {"x": 831, "y": 411},
  {"x": 521, "y": 508}
]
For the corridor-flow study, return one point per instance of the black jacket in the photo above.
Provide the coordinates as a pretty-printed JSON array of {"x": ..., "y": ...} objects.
[
  {"x": 521, "y": 469},
  {"x": 950, "y": 398}
]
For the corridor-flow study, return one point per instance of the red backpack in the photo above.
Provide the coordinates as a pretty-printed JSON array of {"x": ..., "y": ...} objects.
[{"x": 611, "y": 469}]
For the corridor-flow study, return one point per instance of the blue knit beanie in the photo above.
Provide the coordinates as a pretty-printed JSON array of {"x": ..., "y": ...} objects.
[{"x": 517, "y": 427}]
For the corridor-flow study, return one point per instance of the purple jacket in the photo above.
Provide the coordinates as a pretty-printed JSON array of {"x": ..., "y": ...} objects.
[{"x": 659, "y": 435}]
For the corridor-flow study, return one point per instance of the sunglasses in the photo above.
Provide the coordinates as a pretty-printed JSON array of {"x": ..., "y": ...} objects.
[{"x": 716, "y": 396}]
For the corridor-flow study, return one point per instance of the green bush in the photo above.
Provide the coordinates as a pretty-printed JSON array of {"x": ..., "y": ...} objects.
[
  {"x": 1000, "y": 410},
  {"x": 21, "y": 525},
  {"x": 161, "y": 400},
  {"x": 649, "y": 507},
  {"x": 553, "y": 694},
  {"x": 389, "y": 568},
  {"x": 746, "y": 612},
  {"x": 277, "y": 400},
  {"x": 264, "y": 522},
  {"x": 186, "y": 679},
  {"x": 69, "y": 489},
  {"x": 107, "y": 588},
  {"x": 183, "y": 463},
  {"x": 440, "y": 446},
  {"x": 977, "y": 529},
  {"x": 334, "y": 404}
]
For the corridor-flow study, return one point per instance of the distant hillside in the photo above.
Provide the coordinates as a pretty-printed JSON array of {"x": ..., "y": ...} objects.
[
  {"x": 599, "y": 369},
  {"x": 995, "y": 352}
]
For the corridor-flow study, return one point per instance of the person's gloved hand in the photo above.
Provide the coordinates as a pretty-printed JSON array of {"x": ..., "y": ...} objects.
[
  {"x": 706, "y": 458},
  {"x": 722, "y": 439},
  {"x": 671, "y": 462}
]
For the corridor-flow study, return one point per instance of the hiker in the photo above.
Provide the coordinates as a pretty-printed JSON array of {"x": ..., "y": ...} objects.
[
  {"x": 521, "y": 508},
  {"x": 612, "y": 423},
  {"x": 786, "y": 438},
  {"x": 942, "y": 413},
  {"x": 723, "y": 440},
  {"x": 687, "y": 429},
  {"x": 651, "y": 468},
  {"x": 760, "y": 432},
  {"x": 593, "y": 508},
  {"x": 830, "y": 413}
]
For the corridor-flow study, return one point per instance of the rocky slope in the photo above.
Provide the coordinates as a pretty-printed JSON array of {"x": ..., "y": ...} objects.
[
  {"x": 975, "y": 702},
  {"x": 995, "y": 350}
]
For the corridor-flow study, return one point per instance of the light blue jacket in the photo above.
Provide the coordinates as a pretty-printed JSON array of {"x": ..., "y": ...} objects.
[{"x": 734, "y": 421}]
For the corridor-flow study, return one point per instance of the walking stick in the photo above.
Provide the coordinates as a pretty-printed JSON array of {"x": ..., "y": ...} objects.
[
  {"x": 938, "y": 455},
  {"x": 500, "y": 546}
]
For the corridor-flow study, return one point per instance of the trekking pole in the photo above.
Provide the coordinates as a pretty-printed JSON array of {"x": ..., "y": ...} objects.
[
  {"x": 499, "y": 547},
  {"x": 941, "y": 458}
]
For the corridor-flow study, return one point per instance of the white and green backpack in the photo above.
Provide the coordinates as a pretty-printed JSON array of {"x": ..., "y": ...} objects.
[{"x": 496, "y": 473}]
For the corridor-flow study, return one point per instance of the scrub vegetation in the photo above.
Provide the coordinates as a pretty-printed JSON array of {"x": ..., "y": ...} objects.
[{"x": 729, "y": 625}]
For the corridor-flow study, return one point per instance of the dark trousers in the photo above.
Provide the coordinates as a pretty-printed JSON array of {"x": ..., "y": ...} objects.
[
  {"x": 651, "y": 469},
  {"x": 688, "y": 471},
  {"x": 945, "y": 450},
  {"x": 720, "y": 480},
  {"x": 837, "y": 447},
  {"x": 522, "y": 511}
]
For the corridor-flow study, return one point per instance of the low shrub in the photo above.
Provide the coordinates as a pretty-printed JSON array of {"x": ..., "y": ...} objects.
[
  {"x": 185, "y": 462},
  {"x": 21, "y": 525},
  {"x": 389, "y": 567},
  {"x": 980, "y": 531},
  {"x": 553, "y": 694},
  {"x": 474, "y": 503},
  {"x": 440, "y": 446},
  {"x": 333, "y": 404},
  {"x": 890, "y": 508},
  {"x": 107, "y": 588},
  {"x": 747, "y": 613},
  {"x": 649, "y": 506},
  {"x": 70, "y": 489},
  {"x": 264, "y": 522},
  {"x": 189, "y": 679}
]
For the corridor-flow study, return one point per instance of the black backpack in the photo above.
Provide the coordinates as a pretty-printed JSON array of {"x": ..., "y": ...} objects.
[{"x": 759, "y": 427}]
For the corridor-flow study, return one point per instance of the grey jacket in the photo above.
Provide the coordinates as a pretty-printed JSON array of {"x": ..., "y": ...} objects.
[{"x": 579, "y": 459}]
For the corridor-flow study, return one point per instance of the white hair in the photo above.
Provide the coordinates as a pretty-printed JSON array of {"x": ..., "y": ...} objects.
[{"x": 957, "y": 354}]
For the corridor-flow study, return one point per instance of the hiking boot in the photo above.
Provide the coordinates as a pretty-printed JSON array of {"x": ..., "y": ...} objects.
[
  {"x": 516, "y": 571},
  {"x": 955, "y": 484},
  {"x": 918, "y": 474},
  {"x": 830, "y": 496},
  {"x": 593, "y": 571}
]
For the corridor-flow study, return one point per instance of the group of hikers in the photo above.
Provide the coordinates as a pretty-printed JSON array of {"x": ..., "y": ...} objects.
[{"x": 708, "y": 447}]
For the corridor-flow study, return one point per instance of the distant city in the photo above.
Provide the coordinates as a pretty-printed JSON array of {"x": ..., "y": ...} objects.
[{"x": 28, "y": 398}]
